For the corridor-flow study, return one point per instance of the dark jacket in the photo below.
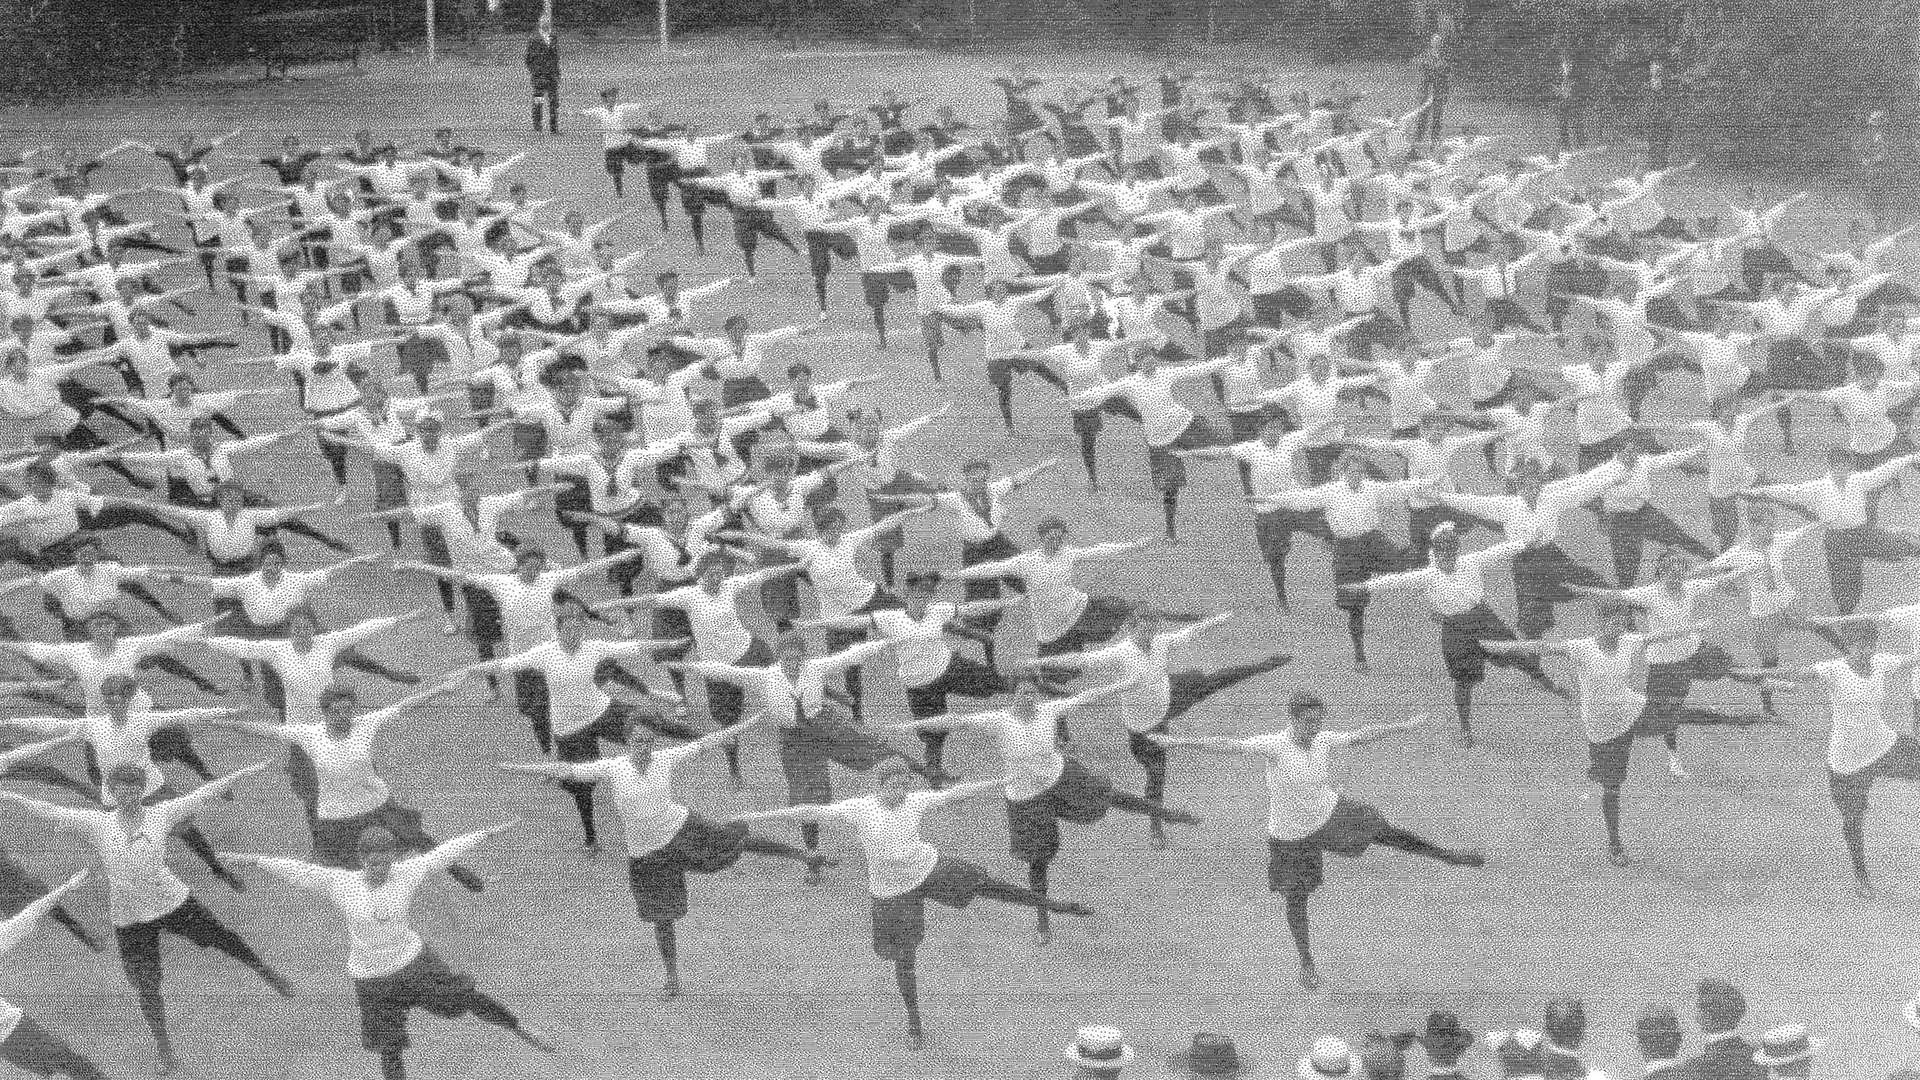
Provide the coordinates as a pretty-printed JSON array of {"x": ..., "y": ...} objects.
[
  {"x": 1728, "y": 1059},
  {"x": 543, "y": 61}
]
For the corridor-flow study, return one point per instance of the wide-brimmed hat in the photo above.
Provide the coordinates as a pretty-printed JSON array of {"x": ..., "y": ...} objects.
[
  {"x": 1786, "y": 1044},
  {"x": 1445, "y": 1034},
  {"x": 1099, "y": 1047},
  {"x": 1330, "y": 1059},
  {"x": 1209, "y": 1055}
]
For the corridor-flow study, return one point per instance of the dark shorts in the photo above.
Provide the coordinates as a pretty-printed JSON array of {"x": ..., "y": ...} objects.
[
  {"x": 1462, "y": 639},
  {"x": 426, "y": 983},
  {"x": 1274, "y": 529},
  {"x": 18, "y": 886},
  {"x": 807, "y": 749},
  {"x": 1900, "y": 762},
  {"x": 1608, "y": 762},
  {"x": 1097, "y": 624},
  {"x": 389, "y": 486},
  {"x": 964, "y": 676},
  {"x": 659, "y": 878},
  {"x": 609, "y": 726},
  {"x": 33, "y": 1049},
  {"x": 1296, "y": 867},
  {"x": 877, "y": 289},
  {"x": 1080, "y": 795},
  {"x": 900, "y": 922},
  {"x": 139, "y": 944},
  {"x": 483, "y": 615},
  {"x": 1169, "y": 471},
  {"x": 1355, "y": 559}
]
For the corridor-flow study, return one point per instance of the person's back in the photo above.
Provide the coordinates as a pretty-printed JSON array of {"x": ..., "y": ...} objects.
[{"x": 1725, "y": 1054}]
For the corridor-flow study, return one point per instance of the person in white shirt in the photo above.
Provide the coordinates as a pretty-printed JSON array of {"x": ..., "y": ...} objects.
[
  {"x": 519, "y": 610},
  {"x": 1612, "y": 713},
  {"x": 144, "y": 898},
  {"x": 1044, "y": 786},
  {"x": 1673, "y": 601},
  {"x": 1532, "y": 514},
  {"x": 1761, "y": 557},
  {"x": 1863, "y": 748},
  {"x": 1270, "y": 470},
  {"x": 1631, "y": 521},
  {"x": 352, "y": 796},
  {"x": 930, "y": 669},
  {"x": 665, "y": 840},
  {"x": 811, "y": 730},
  {"x": 904, "y": 871},
  {"x": 1844, "y": 501},
  {"x": 24, "y": 1043},
  {"x": 582, "y": 712},
  {"x": 392, "y": 969},
  {"x": 1354, "y": 505},
  {"x": 1156, "y": 696},
  {"x": 977, "y": 513},
  {"x": 1455, "y": 587},
  {"x": 1167, "y": 425},
  {"x": 1065, "y": 619},
  {"x": 74, "y": 594},
  {"x": 1307, "y": 818}
]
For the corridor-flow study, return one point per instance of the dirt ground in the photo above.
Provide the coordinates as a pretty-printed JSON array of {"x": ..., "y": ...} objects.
[{"x": 1740, "y": 872}]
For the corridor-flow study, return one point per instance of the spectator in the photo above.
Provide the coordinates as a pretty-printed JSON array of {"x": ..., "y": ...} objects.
[
  {"x": 1446, "y": 1041},
  {"x": 1435, "y": 82},
  {"x": 1570, "y": 93},
  {"x": 1209, "y": 1056},
  {"x": 1726, "y": 1055},
  {"x": 1099, "y": 1053},
  {"x": 1565, "y": 1027},
  {"x": 1381, "y": 1058},
  {"x": 543, "y": 71},
  {"x": 1659, "y": 1032},
  {"x": 1330, "y": 1059},
  {"x": 1519, "y": 1053},
  {"x": 1788, "y": 1051}
]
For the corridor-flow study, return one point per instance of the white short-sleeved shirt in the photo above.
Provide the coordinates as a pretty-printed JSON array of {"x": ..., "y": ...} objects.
[
  {"x": 1858, "y": 704},
  {"x": 898, "y": 858},
  {"x": 644, "y": 799},
  {"x": 919, "y": 645},
  {"x": 344, "y": 768},
  {"x": 717, "y": 630},
  {"x": 1609, "y": 705},
  {"x": 1300, "y": 795}
]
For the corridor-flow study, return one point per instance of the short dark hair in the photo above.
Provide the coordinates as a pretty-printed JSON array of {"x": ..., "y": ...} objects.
[
  {"x": 1721, "y": 1005},
  {"x": 1565, "y": 1021},
  {"x": 1304, "y": 703}
]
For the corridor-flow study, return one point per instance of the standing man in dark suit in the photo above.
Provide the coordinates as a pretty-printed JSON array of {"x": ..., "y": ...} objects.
[
  {"x": 543, "y": 71},
  {"x": 1725, "y": 1055}
]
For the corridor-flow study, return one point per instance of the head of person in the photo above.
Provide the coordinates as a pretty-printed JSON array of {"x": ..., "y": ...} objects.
[
  {"x": 1052, "y": 533},
  {"x": 1308, "y": 714},
  {"x": 1445, "y": 1039},
  {"x": 1788, "y": 1051},
  {"x": 86, "y": 550},
  {"x": 104, "y": 628},
  {"x": 1867, "y": 371},
  {"x": 1658, "y": 1031},
  {"x": 303, "y": 624},
  {"x": 229, "y": 498},
  {"x": 639, "y": 744},
  {"x": 126, "y": 783},
  {"x": 41, "y": 480},
  {"x": 1273, "y": 428},
  {"x": 974, "y": 473},
  {"x": 1099, "y": 1052},
  {"x": 271, "y": 561},
  {"x": 1445, "y": 546},
  {"x": 1673, "y": 567},
  {"x": 337, "y": 705},
  {"x": 378, "y": 850},
  {"x": 1719, "y": 1006},
  {"x": 919, "y": 589},
  {"x": 570, "y": 625},
  {"x": 1860, "y": 641},
  {"x": 892, "y": 780},
  {"x": 1611, "y": 622},
  {"x": 1353, "y": 469},
  {"x": 1518, "y": 1052},
  {"x": 793, "y": 651},
  {"x": 529, "y": 562},
  {"x": 1382, "y": 1058},
  {"x": 1839, "y": 462}
]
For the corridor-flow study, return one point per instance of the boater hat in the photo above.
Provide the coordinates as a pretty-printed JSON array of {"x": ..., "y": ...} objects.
[
  {"x": 1331, "y": 1059},
  {"x": 1099, "y": 1047},
  {"x": 1785, "y": 1045}
]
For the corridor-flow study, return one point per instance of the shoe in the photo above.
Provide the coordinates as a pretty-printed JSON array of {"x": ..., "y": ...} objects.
[
  {"x": 1310, "y": 979},
  {"x": 1618, "y": 857},
  {"x": 226, "y": 877},
  {"x": 1079, "y": 911},
  {"x": 450, "y": 628},
  {"x": 1158, "y": 838},
  {"x": 1468, "y": 857},
  {"x": 1043, "y": 938},
  {"x": 814, "y": 876},
  {"x": 1182, "y": 817},
  {"x": 468, "y": 878},
  {"x": 1466, "y": 739},
  {"x": 1677, "y": 769},
  {"x": 591, "y": 849},
  {"x": 168, "y": 1066},
  {"x": 671, "y": 990},
  {"x": 820, "y": 862},
  {"x": 535, "y": 1038},
  {"x": 1361, "y": 667},
  {"x": 279, "y": 983},
  {"x": 916, "y": 1041}
]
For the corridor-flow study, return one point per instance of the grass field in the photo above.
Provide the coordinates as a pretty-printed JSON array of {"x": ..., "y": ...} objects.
[{"x": 1739, "y": 870}]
